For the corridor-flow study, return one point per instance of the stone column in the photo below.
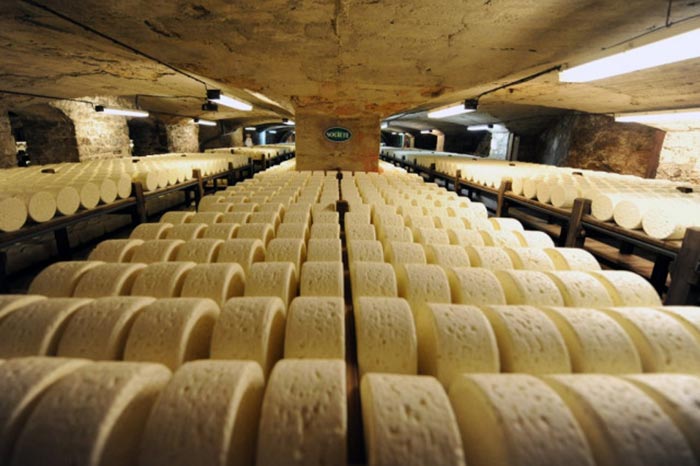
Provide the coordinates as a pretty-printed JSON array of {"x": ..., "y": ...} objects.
[
  {"x": 183, "y": 136},
  {"x": 8, "y": 150}
]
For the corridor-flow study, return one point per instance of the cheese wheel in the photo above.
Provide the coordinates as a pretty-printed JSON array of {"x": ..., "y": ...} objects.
[
  {"x": 287, "y": 250},
  {"x": 418, "y": 221},
  {"x": 387, "y": 219},
  {"x": 461, "y": 237},
  {"x": 409, "y": 421},
  {"x": 528, "y": 340},
  {"x": 222, "y": 231},
  {"x": 325, "y": 231},
  {"x": 207, "y": 414},
  {"x": 41, "y": 206},
  {"x": 108, "y": 280},
  {"x": 388, "y": 234},
  {"x": 404, "y": 253},
  {"x": 477, "y": 223},
  {"x": 322, "y": 279},
  {"x": 276, "y": 207},
  {"x": 534, "y": 239},
  {"x": 621, "y": 423},
  {"x": 315, "y": 328},
  {"x": 186, "y": 231},
  {"x": 248, "y": 207},
  {"x": 244, "y": 252},
  {"x": 250, "y": 329},
  {"x": 357, "y": 218},
  {"x": 265, "y": 217},
  {"x": 325, "y": 250},
  {"x": 61, "y": 278},
  {"x": 297, "y": 217},
  {"x": 115, "y": 250},
  {"x": 161, "y": 280},
  {"x": 507, "y": 239},
  {"x": 431, "y": 236},
  {"x": 516, "y": 419},
  {"x": 446, "y": 223},
  {"x": 689, "y": 316},
  {"x": 530, "y": 259},
  {"x": 272, "y": 279},
  {"x": 454, "y": 339},
  {"x": 386, "y": 336},
  {"x": 94, "y": 415},
  {"x": 235, "y": 217},
  {"x": 157, "y": 250},
  {"x": 220, "y": 207},
  {"x": 662, "y": 222},
  {"x": 35, "y": 329},
  {"x": 596, "y": 343},
  {"x": 475, "y": 286},
  {"x": 200, "y": 251},
  {"x": 218, "y": 282},
  {"x": 207, "y": 218},
  {"x": 261, "y": 231},
  {"x": 98, "y": 330},
  {"x": 326, "y": 217},
  {"x": 446, "y": 256},
  {"x": 12, "y": 302},
  {"x": 365, "y": 251},
  {"x": 420, "y": 284},
  {"x": 147, "y": 231},
  {"x": 489, "y": 257},
  {"x": 664, "y": 344},
  {"x": 23, "y": 381},
  {"x": 580, "y": 289},
  {"x": 293, "y": 231},
  {"x": 563, "y": 196},
  {"x": 373, "y": 279},
  {"x": 176, "y": 218},
  {"x": 304, "y": 414},
  {"x": 68, "y": 198},
  {"x": 172, "y": 331},
  {"x": 679, "y": 396},
  {"x": 627, "y": 288},
  {"x": 572, "y": 259},
  {"x": 506, "y": 224},
  {"x": 14, "y": 214},
  {"x": 529, "y": 287}
]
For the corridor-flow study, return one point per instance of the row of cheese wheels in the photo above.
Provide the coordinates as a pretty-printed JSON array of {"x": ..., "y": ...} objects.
[{"x": 70, "y": 411}]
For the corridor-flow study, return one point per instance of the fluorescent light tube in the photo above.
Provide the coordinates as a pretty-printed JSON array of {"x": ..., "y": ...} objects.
[
  {"x": 121, "y": 111},
  {"x": 272, "y": 131},
  {"x": 288, "y": 122},
  {"x": 199, "y": 121},
  {"x": 251, "y": 128},
  {"x": 672, "y": 50},
  {"x": 450, "y": 111},
  {"x": 384, "y": 125},
  {"x": 218, "y": 97},
  {"x": 660, "y": 117},
  {"x": 426, "y": 131},
  {"x": 479, "y": 128}
]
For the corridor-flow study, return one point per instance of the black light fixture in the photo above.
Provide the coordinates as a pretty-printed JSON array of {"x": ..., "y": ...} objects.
[
  {"x": 215, "y": 95},
  {"x": 210, "y": 107}
]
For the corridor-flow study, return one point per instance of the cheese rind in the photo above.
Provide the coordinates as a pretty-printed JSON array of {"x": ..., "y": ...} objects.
[
  {"x": 161, "y": 280},
  {"x": 287, "y": 250},
  {"x": 11, "y": 302},
  {"x": 527, "y": 287},
  {"x": 200, "y": 251},
  {"x": 186, "y": 231},
  {"x": 409, "y": 421},
  {"x": 325, "y": 250},
  {"x": 580, "y": 289},
  {"x": 447, "y": 256},
  {"x": 365, "y": 251},
  {"x": 572, "y": 259},
  {"x": 60, "y": 279},
  {"x": 627, "y": 288},
  {"x": 322, "y": 279},
  {"x": 404, "y": 253},
  {"x": 420, "y": 284},
  {"x": 489, "y": 257},
  {"x": 530, "y": 259},
  {"x": 176, "y": 218},
  {"x": 304, "y": 414},
  {"x": 315, "y": 328},
  {"x": 222, "y": 231},
  {"x": 475, "y": 286},
  {"x": 272, "y": 279},
  {"x": 115, "y": 250},
  {"x": 373, "y": 279},
  {"x": 157, "y": 250},
  {"x": 148, "y": 231},
  {"x": 218, "y": 282},
  {"x": 108, "y": 280},
  {"x": 244, "y": 252}
]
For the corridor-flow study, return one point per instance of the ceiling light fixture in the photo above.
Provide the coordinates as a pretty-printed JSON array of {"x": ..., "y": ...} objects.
[
  {"x": 121, "y": 111},
  {"x": 669, "y": 116},
  {"x": 216, "y": 96},
  {"x": 272, "y": 131},
  {"x": 468, "y": 106},
  {"x": 384, "y": 125},
  {"x": 426, "y": 131},
  {"x": 202, "y": 122},
  {"x": 287, "y": 121},
  {"x": 251, "y": 128},
  {"x": 663, "y": 52},
  {"x": 480, "y": 128}
]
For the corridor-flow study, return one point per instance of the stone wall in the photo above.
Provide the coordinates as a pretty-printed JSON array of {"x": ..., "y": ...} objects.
[
  {"x": 49, "y": 133},
  {"x": 8, "y": 151},
  {"x": 183, "y": 136},
  {"x": 149, "y": 136},
  {"x": 680, "y": 157}
]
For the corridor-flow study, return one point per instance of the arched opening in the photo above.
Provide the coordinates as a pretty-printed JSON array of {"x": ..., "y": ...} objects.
[
  {"x": 148, "y": 136},
  {"x": 47, "y": 133}
]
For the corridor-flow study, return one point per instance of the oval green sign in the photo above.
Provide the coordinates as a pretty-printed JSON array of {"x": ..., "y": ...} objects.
[{"x": 338, "y": 134}]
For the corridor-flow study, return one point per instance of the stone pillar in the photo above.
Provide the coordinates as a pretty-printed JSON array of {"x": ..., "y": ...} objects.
[
  {"x": 8, "y": 150},
  {"x": 237, "y": 138},
  {"x": 316, "y": 150},
  {"x": 183, "y": 136},
  {"x": 680, "y": 157}
]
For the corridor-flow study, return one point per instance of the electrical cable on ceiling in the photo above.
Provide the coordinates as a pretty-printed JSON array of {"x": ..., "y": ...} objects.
[
  {"x": 521, "y": 80},
  {"x": 43, "y": 96}
]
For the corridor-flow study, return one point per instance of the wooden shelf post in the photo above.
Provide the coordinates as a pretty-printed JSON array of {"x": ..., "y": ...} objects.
[{"x": 685, "y": 275}]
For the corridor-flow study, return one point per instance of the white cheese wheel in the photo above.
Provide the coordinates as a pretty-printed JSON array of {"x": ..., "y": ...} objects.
[
  {"x": 667, "y": 223},
  {"x": 244, "y": 252},
  {"x": 357, "y": 218},
  {"x": 207, "y": 218},
  {"x": 534, "y": 239},
  {"x": 220, "y": 207},
  {"x": 564, "y": 195},
  {"x": 157, "y": 250},
  {"x": 287, "y": 250},
  {"x": 272, "y": 279},
  {"x": 455, "y": 339},
  {"x": 621, "y": 423},
  {"x": 176, "y": 218},
  {"x": 365, "y": 251},
  {"x": 250, "y": 329},
  {"x": 248, "y": 207},
  {"x": 297, "y": 217},
  {"x": 108, "y": 280},
  {"x": 93, "y": 416},
  {"x": 200, "y": 251},
  {"x": 207, "y": 414},
  {"x": 388, "y": 234},
  {"x": 61, "y": 278},
  {"x": 148, "y": 179},
  {"x": 446, "y": 223},
  {"x": 373, "y": 279},
  {"x": 603, "y": 206},
  {"x": 572, "y": 259},
  {"x": 304, "y": 414},
  {"x": 404, "y": 253},
  {"x": 186, "y": 231},
  {"x": 489, "y": 257},
  {"x": 68, "y": 199},
  {"x": 14, "y": 214},
  {"x": 12, "y": 302},
  {"x": 664, "y": 344},
  {"x": 293, "y": 231},
  {"x": 511, "y": 419},
  {"x": 315, "y": 328},
  {"x": 261, "y": 231},
  {"x": 235, "y": 217},
  {"x": 477, "y": 286},
  {"x": 596, "y": 343},
  {"x": 386, "y": 336},
  {"x": 628, "y": 213},
  {"x": 420, "y": 284},
  {"x": 272, "y": 218},
  {"x": 325, "y": 231},
  {"x": 679, "y": 397},
  {"x": 41, "y": 206},
  {"x": 529, "y": 288},
  {"x": 580, "y": 289},
  {"x": 98, "y": 330},
  {"x": 326, "y": 217},
  {"x": 506, "y": 224},
  {"x": 222, "y": 231},
  {"x": 147, "y": 231},
  {"x": 325, "y": 250},
  {"x": 689, "y": 316},
  {"x": 322, "y": 279},
  {"x": 418, "y": 221},
  {"x": 528, "y": 340},
  {"x": 172, "y": 331},
  {"x": 36, "y": 328},
  {"x": 627, "y": 288},
  {"x": 108, "y": 191},
  {"x": 218, "y": 282},
  {"x": 477, "y": 223},
  {"x": 461, "y": 237},
  {"x": 530, "y": 259},
  {"x": 161, "y": 280},
  {"x": 409, "y": 421},
  {"x": 23, "y": 381},
  {"x": 430, "y": 236},
  {"x": 507, "y": 239},
  {"x": 115, "y": 250}
]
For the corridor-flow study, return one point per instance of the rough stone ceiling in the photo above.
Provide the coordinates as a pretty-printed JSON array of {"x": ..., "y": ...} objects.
[{"x": 344, "y": 56}]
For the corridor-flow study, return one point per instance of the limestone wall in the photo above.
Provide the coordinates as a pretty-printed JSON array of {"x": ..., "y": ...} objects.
[
  {"x": 680, "y": 157},
  {"x": 7, "y": 142},
  {"x": 183, "y": 136}
]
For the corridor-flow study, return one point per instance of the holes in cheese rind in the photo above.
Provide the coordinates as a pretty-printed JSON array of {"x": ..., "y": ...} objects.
[
  {"x": 272, "y": 279},
  {"x": 477, "y": 286},
  {"x": 115, "y": 250},
  {"x": 572, "y": 259},
  {"x": 315, "y": 328},
  {"x": 244, "y": 252},
  {"x": 108, "y": 280},
  {"x": 218, "y": 282},
  {"x": 580, "y": 289},
  {"x": 148, "y": 231},
  {"x": 157, "y": 250},
  {"x": 11, "y": 302},
  {"x": 200, "y": 251},
  {"x": 627, "y": 288},
  {"x": 527, "y": 287},
  {"x": 322, "y": 279},
  {"x": 161, "y": 280},
  {"x": 61, "y": 278}
]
